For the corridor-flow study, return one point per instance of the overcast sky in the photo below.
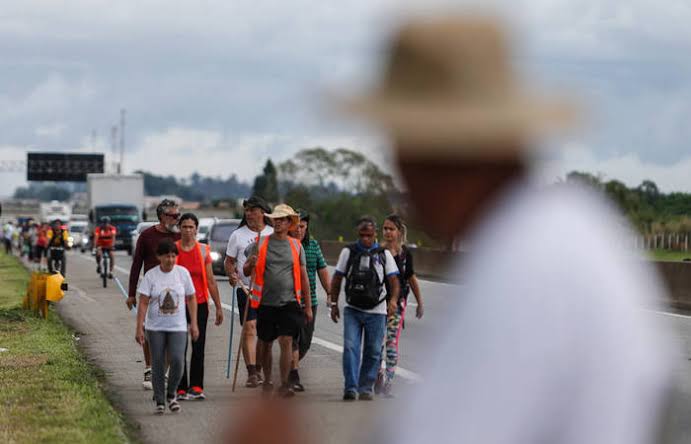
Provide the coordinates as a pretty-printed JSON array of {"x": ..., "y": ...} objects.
[{"x": 217, "y": 87}]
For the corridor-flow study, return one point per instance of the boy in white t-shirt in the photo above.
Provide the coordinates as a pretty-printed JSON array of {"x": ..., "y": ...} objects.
[{"x": 164, "y": 293}]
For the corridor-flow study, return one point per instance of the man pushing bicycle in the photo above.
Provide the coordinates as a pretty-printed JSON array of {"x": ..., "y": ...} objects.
[{"x": 104, "y": 240}]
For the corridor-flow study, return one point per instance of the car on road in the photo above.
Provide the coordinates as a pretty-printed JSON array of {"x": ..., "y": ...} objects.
[
  {"x": 79, "y": 236},
  {"x": 141, "y": 226},
  {"x": 205, "y": 224},
  {"x": 218, "y": 242}
]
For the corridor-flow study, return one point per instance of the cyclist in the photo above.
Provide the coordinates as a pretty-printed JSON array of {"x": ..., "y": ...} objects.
[
  {"x": 57, "y": 244},
  {"x": 104, "y": 239}
]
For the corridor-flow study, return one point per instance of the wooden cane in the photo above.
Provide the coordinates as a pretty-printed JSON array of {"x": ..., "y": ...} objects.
[{"x": 242, "y": 334}]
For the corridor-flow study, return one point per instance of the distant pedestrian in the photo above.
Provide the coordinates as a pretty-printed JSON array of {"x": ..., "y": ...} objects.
[
  {"x": 42, "y": 245},
  {"x": 365, "y": 265},
  {"x": 164, "y": 293},
  {"x": 196, "y": 258},
  {"x": 8, "y": 236},
  {"x": 279, "y": 289},
  {"x": 145, "y": 256},
  {"x": 256, "y": 225},
  {"x": 316, "y": 265},
  {"x": 548, "y": 340},
  {"x": 395, "y": 238}
]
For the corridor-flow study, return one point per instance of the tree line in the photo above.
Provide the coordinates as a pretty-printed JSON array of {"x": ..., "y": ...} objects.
[{"x": 648, "y": 209}]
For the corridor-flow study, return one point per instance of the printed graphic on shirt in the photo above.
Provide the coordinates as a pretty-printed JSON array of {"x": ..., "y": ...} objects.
[{"x": 168, "y": 306}]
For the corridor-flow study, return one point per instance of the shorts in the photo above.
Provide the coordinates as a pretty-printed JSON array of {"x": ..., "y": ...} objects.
[
  {"x": 41, "y": 251},
  {"x": 273, "y": 322},
  {"x": 242, "y": 301},
  {"x": 303, "y": 341}
]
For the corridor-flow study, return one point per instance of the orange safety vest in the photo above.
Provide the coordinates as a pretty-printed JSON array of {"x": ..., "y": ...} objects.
[
  {"x": 202, "y": 256},
  {"x": 258, "y": 286}
]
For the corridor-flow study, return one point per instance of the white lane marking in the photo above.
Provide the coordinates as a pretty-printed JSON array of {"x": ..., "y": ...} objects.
[
  {"x": 400, "y": 371},
  {"x": 81, "y": 293},
  {"x": 674, "y": 315}
]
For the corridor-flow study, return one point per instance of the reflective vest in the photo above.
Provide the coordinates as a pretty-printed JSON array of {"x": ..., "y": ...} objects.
[
  {"x": 258, "y": 286},
  {"x": 202, "y": 255}
]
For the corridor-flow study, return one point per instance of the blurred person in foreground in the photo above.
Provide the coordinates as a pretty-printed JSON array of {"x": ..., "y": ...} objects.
[{"x": 548, "y": 340}]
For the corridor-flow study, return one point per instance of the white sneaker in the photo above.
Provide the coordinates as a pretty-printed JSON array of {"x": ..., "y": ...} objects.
[{"x": 147, "y": 379}]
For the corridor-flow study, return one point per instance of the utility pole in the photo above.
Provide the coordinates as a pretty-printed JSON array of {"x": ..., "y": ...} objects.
[
  {"x": 113, "y": 145},
  {"x": 122, "y": 140}
]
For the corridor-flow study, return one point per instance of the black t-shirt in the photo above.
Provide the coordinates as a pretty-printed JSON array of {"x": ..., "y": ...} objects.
[{"x": 406, "y": 269}]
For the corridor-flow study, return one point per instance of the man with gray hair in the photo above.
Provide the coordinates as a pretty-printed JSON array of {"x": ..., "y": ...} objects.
[{"x": 145, "y": 255}]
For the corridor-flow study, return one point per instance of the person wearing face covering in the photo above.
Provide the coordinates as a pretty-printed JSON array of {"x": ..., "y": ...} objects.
[{"x": 145, "y": 256}]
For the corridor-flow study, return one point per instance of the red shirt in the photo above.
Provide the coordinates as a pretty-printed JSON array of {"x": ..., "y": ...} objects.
[
  {"x": 105, "y": 236},
  {"x": 193, "y": 263}
]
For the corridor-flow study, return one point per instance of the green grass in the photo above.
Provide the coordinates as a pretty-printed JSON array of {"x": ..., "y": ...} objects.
[
  {"x": 48, "y": 391},
  {"x": 668, "y": 255}
]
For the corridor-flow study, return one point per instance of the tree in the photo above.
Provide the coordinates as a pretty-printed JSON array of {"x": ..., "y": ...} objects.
[{"x": 266, "y": 184}]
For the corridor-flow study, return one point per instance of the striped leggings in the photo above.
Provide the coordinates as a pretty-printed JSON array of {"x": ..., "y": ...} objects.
[{"x": 394, "y": 325}]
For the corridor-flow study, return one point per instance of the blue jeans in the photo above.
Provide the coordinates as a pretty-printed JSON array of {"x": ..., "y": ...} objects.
[{"x": 361, "y": 378}]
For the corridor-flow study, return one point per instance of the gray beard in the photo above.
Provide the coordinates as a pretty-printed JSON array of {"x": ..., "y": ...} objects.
[{"x": 173, "y": 228}]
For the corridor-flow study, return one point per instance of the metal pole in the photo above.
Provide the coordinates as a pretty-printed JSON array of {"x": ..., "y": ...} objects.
[
  {"x": 122, "y": 140},
  {"x": 230, "y": 339}
]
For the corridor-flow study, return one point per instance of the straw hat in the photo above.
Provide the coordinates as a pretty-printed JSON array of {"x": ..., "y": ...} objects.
[
  {"x": 284, "y": 210},
  {"x": 448, "y": 90}
]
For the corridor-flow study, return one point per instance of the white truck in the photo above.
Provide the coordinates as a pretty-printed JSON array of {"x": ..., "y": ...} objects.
[
  {"x": 120, "y": 197},
  {"x": 54, "y": 210}
]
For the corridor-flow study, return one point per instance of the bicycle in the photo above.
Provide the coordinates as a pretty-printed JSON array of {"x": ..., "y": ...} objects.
[
  {"x": 56, "y": 260},
  {"x": 105, "y": 265}
]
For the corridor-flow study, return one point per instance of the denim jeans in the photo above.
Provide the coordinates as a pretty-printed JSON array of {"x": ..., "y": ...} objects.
[{"x": 361, "y": 378}]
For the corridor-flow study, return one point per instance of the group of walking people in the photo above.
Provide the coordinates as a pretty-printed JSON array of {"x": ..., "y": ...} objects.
[
  {"x": 273, "y": 263},
  {"x": 42, "y": 243}
]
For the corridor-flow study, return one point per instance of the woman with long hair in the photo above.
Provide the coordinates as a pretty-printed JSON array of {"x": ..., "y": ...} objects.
[{"x": 395, "y": 238}]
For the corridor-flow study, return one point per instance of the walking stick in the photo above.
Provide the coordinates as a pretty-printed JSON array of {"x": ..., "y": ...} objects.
[
  {"x": 230, "y": 339},
  {"x": 242, "y": 334}
]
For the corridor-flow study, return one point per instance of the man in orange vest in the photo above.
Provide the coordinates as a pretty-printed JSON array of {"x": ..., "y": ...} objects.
[{"x": 280, "y": 287}]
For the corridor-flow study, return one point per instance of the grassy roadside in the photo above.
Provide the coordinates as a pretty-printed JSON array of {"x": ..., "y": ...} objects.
[
  {"x": 667, "y": 255},
  {"x": 49, "y": 392}
]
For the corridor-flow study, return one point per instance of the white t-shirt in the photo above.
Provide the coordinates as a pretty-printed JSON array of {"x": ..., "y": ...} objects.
[
  {"x": 390, "y": 269},
  {"x": 167, "y": 293},
  {"x": 548, "y": 340},
  {"x": 238, "y": 243}
]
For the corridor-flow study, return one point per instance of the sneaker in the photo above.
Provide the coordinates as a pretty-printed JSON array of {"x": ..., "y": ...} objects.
[
  {"x": 173, "y": 405},
  {"x": 182, "y": 395},
  {"x": 147, "y": 380},
  {"x": 98, "y": 269},
  {"x": 349, "y": 396},
  {"x": 386, "y": 391},
  {"x": 366, "y": 396},
  {"x": 195, "y": 393},
  {"x": 260, "y": 377},
  {"x": 252, "y": 381},
  {"x": 160, "y": 409},
  {"x": 110, "y": 275},
  {"x": 286, "y": 391},
  {"x": 298, "y": 387}
]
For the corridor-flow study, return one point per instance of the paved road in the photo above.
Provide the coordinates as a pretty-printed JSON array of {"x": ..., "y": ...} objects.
[{"x": 107, "y": 331}]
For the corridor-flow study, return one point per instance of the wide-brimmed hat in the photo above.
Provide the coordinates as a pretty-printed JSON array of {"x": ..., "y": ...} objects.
[
  {"x": 283, "y": 210},
  {"x": 256, "y": 202},
  {"x": 448, "y": 90}
]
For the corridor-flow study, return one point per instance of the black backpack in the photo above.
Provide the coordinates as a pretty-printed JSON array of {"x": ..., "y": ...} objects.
[{"x": 363, "y": 288}]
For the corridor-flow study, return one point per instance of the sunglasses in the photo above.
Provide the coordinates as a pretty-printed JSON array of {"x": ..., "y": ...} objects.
[{"x": 172, "y": 215}]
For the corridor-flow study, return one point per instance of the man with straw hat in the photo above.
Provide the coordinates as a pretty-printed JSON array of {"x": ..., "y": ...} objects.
[
  {"x": 280, "y": 286},
  {"x": 546, "y": 341}
]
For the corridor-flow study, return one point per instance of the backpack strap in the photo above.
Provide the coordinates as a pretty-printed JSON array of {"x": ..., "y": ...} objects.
[{"x": 351, "y": 259}]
